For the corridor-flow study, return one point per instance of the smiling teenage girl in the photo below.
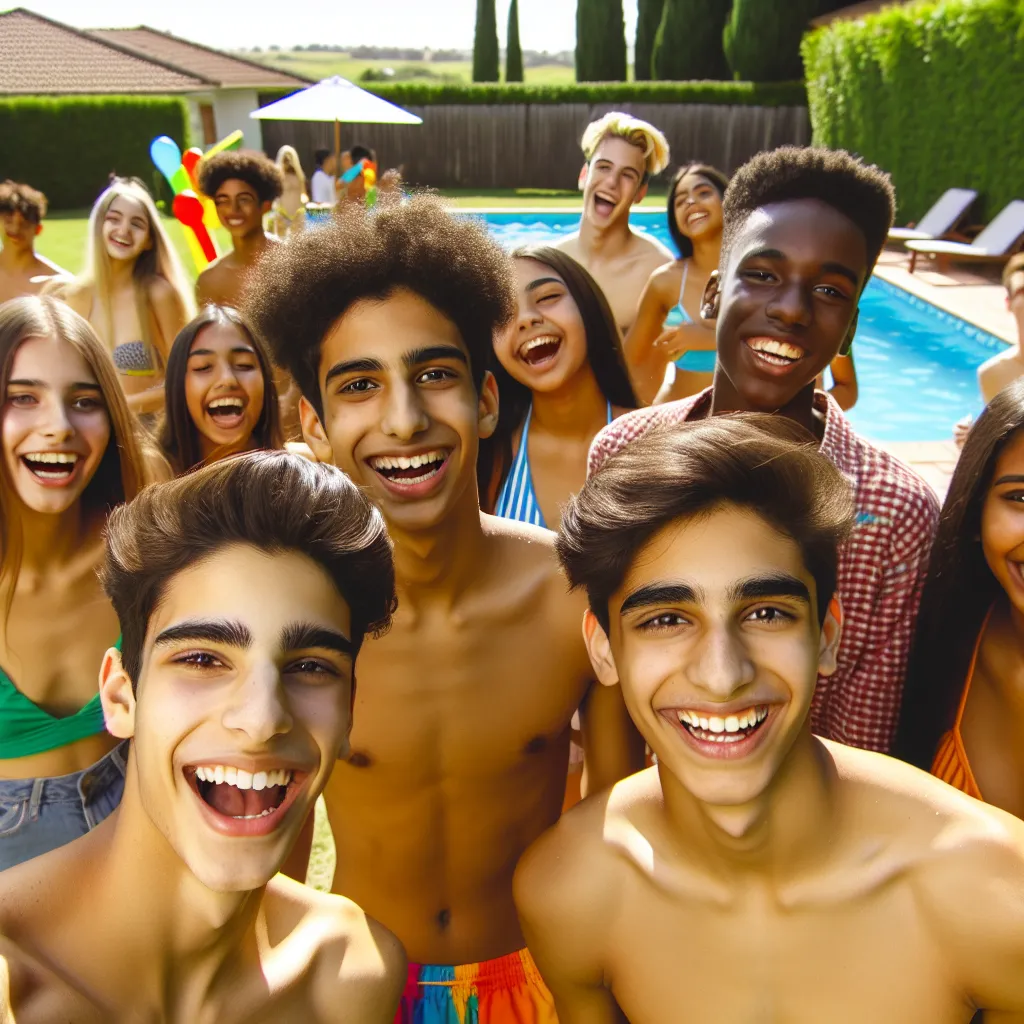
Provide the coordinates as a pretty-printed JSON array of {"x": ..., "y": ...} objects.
[
  {"x": 221, "y": 397},
  {"x": 70, "y": 455}
]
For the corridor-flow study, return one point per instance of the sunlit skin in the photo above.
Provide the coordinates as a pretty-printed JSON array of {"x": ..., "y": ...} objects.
[
  {"x": 809, "y": 861},
  {"x": 22, "y": 270},
  {"x": 126, "y": 233},
  {"x": 461, "y": 738},
  {"x": 241, "y": 212},
  {"x": 238, "y": 675},
  {"x": 994, "y": 374},
  {"x": 992, "y": 727},
  {"x": 794, "y": 275},
  {"x": 618, "y": 259},
  {"x": 59, "y": 623},
  {"x": 223, "y": 389},
  {"x": 650, "y": 347}
]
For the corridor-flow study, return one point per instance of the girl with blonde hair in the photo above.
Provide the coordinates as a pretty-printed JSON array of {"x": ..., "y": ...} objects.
[
  {"x": 71, "y": 453},
  {"x": 133, "y": 290},
  {"x": 290, "y": 207}
]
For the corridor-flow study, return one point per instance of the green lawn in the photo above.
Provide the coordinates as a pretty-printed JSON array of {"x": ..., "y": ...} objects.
[{"x": 65, "y": 232}]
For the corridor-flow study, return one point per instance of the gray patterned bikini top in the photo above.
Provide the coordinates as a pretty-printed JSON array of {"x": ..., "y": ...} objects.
[{"x": 135, "y": 359}]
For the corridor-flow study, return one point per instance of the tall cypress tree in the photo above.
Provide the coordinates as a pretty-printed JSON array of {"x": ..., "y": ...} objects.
[
  {"x": 600, "y": 41},
  {"x": 762, "y": 38},
  {"x": 485, "y": 43},
  {"x": 689, "y": 40},
  {"x": 513, "y": 51},
  {"x": 648, "y": 19}
]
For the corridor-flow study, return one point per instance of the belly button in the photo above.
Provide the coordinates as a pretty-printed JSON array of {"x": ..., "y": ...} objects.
[
  {"x": 359, "y": 760},
  {"x": 444, "y": 918}
]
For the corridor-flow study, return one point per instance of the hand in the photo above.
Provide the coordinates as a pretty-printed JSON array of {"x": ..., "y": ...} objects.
[
  {"x": 671, "y": 342},
  {"x": 961, "y": 429}
]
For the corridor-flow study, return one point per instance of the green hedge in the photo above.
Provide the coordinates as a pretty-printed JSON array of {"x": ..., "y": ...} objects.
[
  {"x": 931, "y": 92},
  {"x": 67, "y": 146},
  {"x": 772, "y": 94}
]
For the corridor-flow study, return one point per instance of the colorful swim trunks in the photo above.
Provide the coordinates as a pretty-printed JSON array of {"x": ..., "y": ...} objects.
[{"x": 508, "y": 990}]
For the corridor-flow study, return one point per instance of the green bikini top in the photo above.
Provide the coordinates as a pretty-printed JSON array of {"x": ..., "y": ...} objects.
[{"x": 26, "y": 729}]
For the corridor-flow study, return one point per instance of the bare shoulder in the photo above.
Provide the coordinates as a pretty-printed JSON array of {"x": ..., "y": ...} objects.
[
  {"x": 359, "y": 964},
  {"x": 651, "y": 251},
  {"x": 570, "y": 244}
]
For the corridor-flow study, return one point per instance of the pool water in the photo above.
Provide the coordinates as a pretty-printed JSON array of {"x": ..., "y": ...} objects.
[{"x": 916, "y": 364}]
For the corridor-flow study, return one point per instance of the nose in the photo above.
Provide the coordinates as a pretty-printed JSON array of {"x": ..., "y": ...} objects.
[
  {"x": 404, "y": 416},
  {"x": 528, "y": 316},
  {"x": 258, "y": 707},
  {"x": 226, "y": 376},
  {"x": 721, "y": 666},
  {"x": 790, "y": 305},
  {"x": 56, "y": 424}
]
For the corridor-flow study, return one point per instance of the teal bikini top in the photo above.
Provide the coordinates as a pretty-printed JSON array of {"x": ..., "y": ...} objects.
[
  {"x": 695, "y": 360},
  {"x": 26, "y": 729}
]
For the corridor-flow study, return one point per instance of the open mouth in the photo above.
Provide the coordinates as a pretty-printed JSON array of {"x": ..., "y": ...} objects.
[
  {"x": 51, "y": 467},
  {"x": 777, "y": 354},
  {"x": 413, "y": 470},
  {"x": 603, "y": 205},
  {"x": 121, "y": 243},
  {"x": 241, "y": 802},
  {"x": 226, "y": 412},
  {"x": 723, "y": 736},
  {"x": 697, "y": 217},
  {"x": 235, "y": 222},
  {"x": 541, "y": 350}
]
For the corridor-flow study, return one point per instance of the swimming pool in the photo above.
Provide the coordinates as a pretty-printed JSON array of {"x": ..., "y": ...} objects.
[{"x": 915, "y": 363}]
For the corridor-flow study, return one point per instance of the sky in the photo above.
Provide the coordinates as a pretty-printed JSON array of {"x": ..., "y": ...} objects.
[{"x": 438, "y": 24}]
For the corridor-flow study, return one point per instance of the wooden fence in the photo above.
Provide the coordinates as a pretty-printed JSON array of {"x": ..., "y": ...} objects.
[{"x": 537, "y": 145}]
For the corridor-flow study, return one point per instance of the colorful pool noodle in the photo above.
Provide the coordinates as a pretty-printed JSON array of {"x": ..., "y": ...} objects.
[
  {"x": 353, "y": 172},
  {"x": 232, "y": 141},
  {"x": 189, "y": 211}
]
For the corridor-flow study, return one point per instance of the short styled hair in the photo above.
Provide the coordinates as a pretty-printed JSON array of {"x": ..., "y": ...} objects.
[
  {"x": 763, "y": 463},
  {"x": 1014, "y": 266},
  {"x": 255, "y": 169},
  {"x": 320, "y": 155},
  {"x": 641, "y": 134},
  {"x": 860, "y": 191},
  {"x": 274, "y": 501},
  {"x": 359, "y": 152},
  {"x": 23, "y": 199},
  {"x": 298, "y": 291}
]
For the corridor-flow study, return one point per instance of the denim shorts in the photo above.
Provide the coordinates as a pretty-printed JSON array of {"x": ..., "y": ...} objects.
[{"x": 38, "y": 815}]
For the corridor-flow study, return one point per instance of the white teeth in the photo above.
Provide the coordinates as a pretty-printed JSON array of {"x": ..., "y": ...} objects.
[
  {"x": 221, "y": 403},
  {"x": 538, "y": 342},
  {"x": 219, "y": 774},
  {"x": 229, "y": 775},
  {"x": 412, "y": 462},
  {"x": 732, "y": 724},
  {"x": 57, "y": 458},
  {"x": 726, "y": 728},
  {"x": 716, "y": 724},
  {"x": 259, "y": 781},
  {"x": 243, "y": 779},
  {"x": 776, "y": 348}
]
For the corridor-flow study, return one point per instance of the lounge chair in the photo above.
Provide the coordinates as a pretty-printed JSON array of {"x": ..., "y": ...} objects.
[
  {"x": 995, "y": 244},
  {"x": 941, "y": 219}
]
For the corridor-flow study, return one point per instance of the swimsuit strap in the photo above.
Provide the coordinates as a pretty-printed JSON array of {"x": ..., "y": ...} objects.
[
  {"x": 517, "y": 499},
  {"x": 682, "y": 285},
  {"x": 970, "y": 671}
]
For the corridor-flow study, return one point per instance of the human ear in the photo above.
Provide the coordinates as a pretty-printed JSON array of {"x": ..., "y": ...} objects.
[
  {"x": 831, "y": 633},
  {"x": 600, "y": 650},
  {"x": 640, "y": 193},
  {"x": 711, "y": 300},
  {"x": 487, "y": 407},
  {"x": 39, "y": 231},
  {"x": 847, "y": 345},
  {"x": 313, "y": 432},
  {"x": 266, "y": 206},
  {"x": 117, "y": 696}
]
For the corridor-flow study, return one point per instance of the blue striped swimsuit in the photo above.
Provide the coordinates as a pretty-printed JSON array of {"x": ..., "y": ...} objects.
[{"x": 517, "y": 499}]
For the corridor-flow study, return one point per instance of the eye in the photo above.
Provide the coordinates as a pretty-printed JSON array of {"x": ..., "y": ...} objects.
[
  {"x": 245, "y": 366},
  {"x": 769, "y": 615},
  {"x": 22, "y": 400},
  {"x": 199, "y": 660},
  {"x": 87, "y": 404},
  {"x": 435, "y": 376},
  {"x": 200, "y": 368},
  {"x": 549, "y": 297},
  {"x": 357, "y": 387},
  {"x": 832, "y": 292},
  {"x": 760, "y": 276},
  {"x": 312, "y": 667},
  {"x": 663, "y": 620},
  {"x": 1013, "y": 496}
]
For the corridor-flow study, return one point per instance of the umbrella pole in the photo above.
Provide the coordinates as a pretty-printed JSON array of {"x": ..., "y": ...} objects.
[{"x": 337, "y": 151}]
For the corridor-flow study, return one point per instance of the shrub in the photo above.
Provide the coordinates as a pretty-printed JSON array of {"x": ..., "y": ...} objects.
[
  {"x": 600, "y": 41},
  {"x": 762, "y": 38},
  {"x": 689, "y": 41},
  {"x": 751, "y": 94},
  {"x": 485, "y": 43},
  {"x": 513, "y": 51},
  {"x": 67, "y": 146},
  {"x": 930, "y": 92},
  {"x": 648, "y": 18}
]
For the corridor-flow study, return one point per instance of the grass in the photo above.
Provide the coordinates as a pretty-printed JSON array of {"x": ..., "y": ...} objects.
[
  {"x": 65, "y": 232},
  {"x": 323, "y": 65}
]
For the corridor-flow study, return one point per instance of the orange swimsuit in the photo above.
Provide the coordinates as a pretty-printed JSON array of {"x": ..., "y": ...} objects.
[{"x": 951, "y": 764}]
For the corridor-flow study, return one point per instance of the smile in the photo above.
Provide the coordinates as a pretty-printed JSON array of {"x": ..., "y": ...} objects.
[
  {"x": 605, "y": 204},
  {"x": 239, "y": 802},
  {"x": 411, "y": 471},
  {"x": 51, "y": 468},
  {"x": 227, "y": 412},
  {"x": 695, "y": 218},
  {"x": 731, "y": 729},
  {"x": 124, "y": 243},
  {"x": 540, "y": 350},
  {"x": 779, "y": 354}
]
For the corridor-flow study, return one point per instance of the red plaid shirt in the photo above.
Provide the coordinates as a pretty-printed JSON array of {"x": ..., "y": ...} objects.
[{"x": 881, "y": 569}]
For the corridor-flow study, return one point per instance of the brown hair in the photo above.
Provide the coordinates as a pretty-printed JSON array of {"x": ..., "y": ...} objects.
[
  {"x": 1014, "y": 266},
  {"x": 23, "y": 199},
  {"x": 760, "y": 462},
  {"x": 179, "y": 436},
  {"x": 274, "y": 501}
]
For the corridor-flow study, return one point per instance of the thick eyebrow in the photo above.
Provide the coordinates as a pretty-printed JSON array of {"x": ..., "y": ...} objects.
[
  {"x": 661, "y": 593},
  {"x": 432, "y": 352},
  {"x": 81, "y": 385},
  {"x": 543, "y": 280},
  {"x": 354, "y": 366},
  {"x": 1010, "y": 478},
  {"x": 771, "y": 585},
  {"x": 232, "y": 634},
  {"x": 303, "y": 635}
]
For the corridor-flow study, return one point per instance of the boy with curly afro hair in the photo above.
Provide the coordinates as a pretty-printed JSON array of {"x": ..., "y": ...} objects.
[
  {"x": 460, "y": 750},
  {"x": 802, "y": 230},
  {"x": 242, "y": 185},
  {"x": 22, "y": 270}
]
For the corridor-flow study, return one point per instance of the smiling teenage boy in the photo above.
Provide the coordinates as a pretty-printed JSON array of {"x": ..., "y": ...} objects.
[
  {"x": 802, "y": 231},
  {"x": 243, "y": 186},
  {"x": 22, "y": 270},
  {"x": 459, "y": 756},
  {"x": 622, "y": 153},
  {"x": 757, "y": 872},
  {"x": 236, "y": 696}
]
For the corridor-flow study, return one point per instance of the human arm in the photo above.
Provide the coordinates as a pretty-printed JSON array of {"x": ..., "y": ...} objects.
[
  {"x": 645, "y": 358},
  {"x": 844, "y": 382},
  {"x": 612, "y": 747}
]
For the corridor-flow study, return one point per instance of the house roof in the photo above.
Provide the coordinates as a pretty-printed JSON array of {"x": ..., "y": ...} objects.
[
  {"x": 44, "y": 57},
  {"x": 854, "y": 11},
  {"x": 225, "y": 70}
]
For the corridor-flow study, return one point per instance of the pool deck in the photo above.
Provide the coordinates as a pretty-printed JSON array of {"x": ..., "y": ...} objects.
[{"x": 977, "y": 298}]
